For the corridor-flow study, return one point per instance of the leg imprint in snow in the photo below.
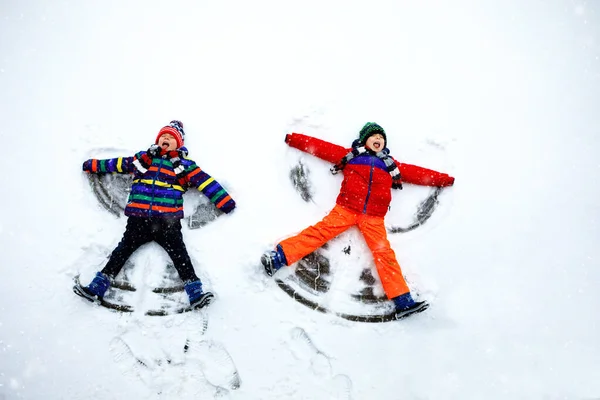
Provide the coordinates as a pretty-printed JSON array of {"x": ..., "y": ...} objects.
[
  {"x": 367, "y": 295},
  {"x": 170, "y": 296},
  {"x": 121, "y": 292},
  {"x": 314, "y": 273},
  {"x": 143, "y": 286},
  {"x": 113, "y": 299},
  {"x": 359, "y": 298}
]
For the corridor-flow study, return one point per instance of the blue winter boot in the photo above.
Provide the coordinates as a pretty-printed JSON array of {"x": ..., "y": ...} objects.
[
  {"x": 198, "y": 298},
  {"x": 405, "y": 306},
  {"x": 273, "y": 260},
  {"x": 95, "y": 290}
]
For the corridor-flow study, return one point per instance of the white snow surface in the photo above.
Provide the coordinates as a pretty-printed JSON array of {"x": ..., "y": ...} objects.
[{"x": 503, "y": 95}]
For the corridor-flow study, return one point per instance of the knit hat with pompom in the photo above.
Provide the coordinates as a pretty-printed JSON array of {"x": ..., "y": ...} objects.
[{"x": 175, "y": 128}]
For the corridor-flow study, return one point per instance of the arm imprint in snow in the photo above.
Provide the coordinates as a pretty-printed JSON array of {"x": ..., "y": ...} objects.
[
  {"x": 424, "y": 212},
  {"x": 299, "y": 177}
]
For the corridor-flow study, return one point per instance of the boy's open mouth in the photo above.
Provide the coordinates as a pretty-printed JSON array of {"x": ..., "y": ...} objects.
[
  {"x": 164, "y": 144},
  {"x": 377, "y": 145}
]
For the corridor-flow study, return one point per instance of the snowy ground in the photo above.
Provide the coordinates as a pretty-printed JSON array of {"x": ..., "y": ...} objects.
[{"x": 501, "y": 95}]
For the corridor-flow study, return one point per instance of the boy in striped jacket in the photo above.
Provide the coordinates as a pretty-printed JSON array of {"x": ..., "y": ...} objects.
[
  {"x": 370, "y": 174},
  {"x": 155, "y": 207}
]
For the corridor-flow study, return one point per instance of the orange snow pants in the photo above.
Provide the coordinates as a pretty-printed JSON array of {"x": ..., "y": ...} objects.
[{"x": 373, "y": 230}]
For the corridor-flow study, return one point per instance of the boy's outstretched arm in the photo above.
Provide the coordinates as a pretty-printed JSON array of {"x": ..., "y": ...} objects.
[
  {"x": 317, "y": 147},
  {"x": 141, "y": 161},
  {"x": 423, "y": 176},
  {"x": 119, "y": 165},
  {"x": 334, "y": 153},
  {"x": 210, "y": 188}
]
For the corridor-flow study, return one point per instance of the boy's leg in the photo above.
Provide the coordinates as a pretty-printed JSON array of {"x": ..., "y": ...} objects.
[
  {"x": 169, "y": 236},
  {"x": 388, "y": 268},
  {"x": 167, "y": 233},
  {"x": 137, "y": 233},
  {"x": 313, "y": 237}
]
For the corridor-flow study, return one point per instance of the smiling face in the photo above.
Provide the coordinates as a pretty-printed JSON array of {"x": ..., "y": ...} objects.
[
  {"x": 375, "y": 142},
  {"x": 167, "y": 142}
]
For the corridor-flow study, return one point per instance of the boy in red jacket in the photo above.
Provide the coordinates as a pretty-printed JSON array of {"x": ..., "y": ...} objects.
[{"x": 365, "y": 195}]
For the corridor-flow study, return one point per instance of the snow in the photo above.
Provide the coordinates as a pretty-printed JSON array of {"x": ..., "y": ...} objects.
[{"x": 501, "y": 95}]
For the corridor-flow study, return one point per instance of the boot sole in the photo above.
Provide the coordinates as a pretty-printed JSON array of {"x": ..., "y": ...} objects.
[
  {"x": 420, "y": 307},
  {"x": 266, "y": 262},
  {"x": 80, "y": 291},
  {"x": 204, "y": 301}
]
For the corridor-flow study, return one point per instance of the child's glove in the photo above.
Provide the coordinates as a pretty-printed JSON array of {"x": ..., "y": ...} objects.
[
  {"x": 175, "y": 158},
  {"x": 145, "y": 160},
  {"x": 87, "y": 166},
  {"x": 154, "y": 151},
  {"x": 397, "y": 185},
  {"x": 228, "y": 207},
  {"x": 183, "y": 152},
  {"x": 336, "y": 168}
]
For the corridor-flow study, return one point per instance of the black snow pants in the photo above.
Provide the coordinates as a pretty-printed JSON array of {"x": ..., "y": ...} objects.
[{"x": 164, "y": 231}]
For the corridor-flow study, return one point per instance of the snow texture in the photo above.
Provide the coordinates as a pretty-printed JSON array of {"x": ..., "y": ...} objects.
[{"x": 502, "y": 95}]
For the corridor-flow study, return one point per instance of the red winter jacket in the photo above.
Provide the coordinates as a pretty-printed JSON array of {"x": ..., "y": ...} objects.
[{"x": 367, "y": 185}]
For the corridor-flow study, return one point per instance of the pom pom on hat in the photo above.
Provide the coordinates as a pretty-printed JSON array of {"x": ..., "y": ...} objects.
[
  {"x": 371, "y": 128},
  {"x": 175, "y": 128}
]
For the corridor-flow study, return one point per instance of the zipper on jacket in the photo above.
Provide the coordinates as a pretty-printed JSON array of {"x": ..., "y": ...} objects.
[
  {"x": 154, "y": 186},
  {"x": 370, "y": 182}
]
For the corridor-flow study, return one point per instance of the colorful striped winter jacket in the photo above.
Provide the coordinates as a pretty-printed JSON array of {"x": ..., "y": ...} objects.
[
  {"x": 366, "y": 188},
  {"x": 156, "y": 191}
]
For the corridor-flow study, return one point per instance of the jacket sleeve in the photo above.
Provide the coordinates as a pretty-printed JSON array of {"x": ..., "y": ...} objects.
[
  {"x": 212, "y": 189},
  {"x": 119, "y": 165},
  {"x": 317, "y": 147},
  {"x": 423, "y": 176}
]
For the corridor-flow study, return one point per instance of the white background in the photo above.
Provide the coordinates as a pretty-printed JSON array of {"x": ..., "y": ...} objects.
[{"x": 502, "y": 95}]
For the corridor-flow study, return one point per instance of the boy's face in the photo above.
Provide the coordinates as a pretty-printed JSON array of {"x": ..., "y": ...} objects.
[
  {"x": 375, "y": 142},
  {"x": 167, "y": 142}
]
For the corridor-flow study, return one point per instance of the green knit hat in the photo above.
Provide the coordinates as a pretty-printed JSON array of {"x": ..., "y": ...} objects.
[{"x": 371, "y": 128}]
